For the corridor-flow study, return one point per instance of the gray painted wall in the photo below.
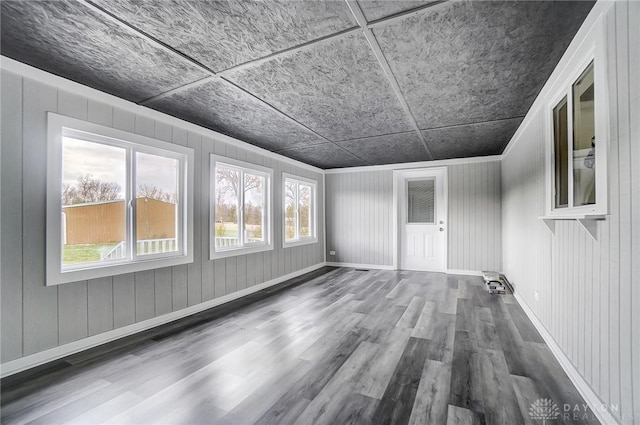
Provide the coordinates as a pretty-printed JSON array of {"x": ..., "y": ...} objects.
[
  {"x": 36, "y": 317},
  {"x": 360, "y": 217},
  {"x": 589, "y": 291},
  {"x": 475, "y": 225}
]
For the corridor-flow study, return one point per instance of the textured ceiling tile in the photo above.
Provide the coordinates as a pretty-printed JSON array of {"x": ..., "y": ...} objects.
[
  {"x": 481, "y": 139},
  {"x": 478, "y": 61},
  {"x": 221, "y": 34},
  {"x": 336, "y": 88},
  {"x": 376, "y": 9},
  {"x": 70, "y": 40},
  {"x": 221, "y": 107},
  {"x": 325, "y": 156},
  {"x": 393, "y": 148}
]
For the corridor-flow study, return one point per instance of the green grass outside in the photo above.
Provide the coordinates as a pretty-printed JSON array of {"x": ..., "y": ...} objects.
[
  {"x": 230, "y": 230},
  {"x": 74, "y": 254},
  {"x": 226, "y": 230}
]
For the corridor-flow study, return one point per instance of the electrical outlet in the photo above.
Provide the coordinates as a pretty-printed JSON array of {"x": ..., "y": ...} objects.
[
  {"x": 332, "y": 253},
  {"x": 536, "y": 295}
]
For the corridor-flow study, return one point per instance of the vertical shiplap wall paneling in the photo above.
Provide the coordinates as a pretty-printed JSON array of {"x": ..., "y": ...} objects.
[
  {"x": 634, "y": 137},
  {"x": 361, "y": 205},
  {"x": 487, "y": 217},
  {"x": 377, "y": 254},
  {"x": 614, "y": 205},
  {"x": 358, "y": 217},
  {"x": 466, "y": 212},
  {"x": 474, "y": 212},
  {"x": 40, "y": 312},
  {"x": 453, "y": 233},
  {"x": 329, "y": 223},
  {"x": 179, "y": 274},
  {"x": 11, "y": 217},
  {"x": 100, "y": 291},
  {"x": 474, "y": 217},
  {"x": 588, "y": 289},
  {"x": 36, "y": 317},
  {"x": 623, "y": 79}
]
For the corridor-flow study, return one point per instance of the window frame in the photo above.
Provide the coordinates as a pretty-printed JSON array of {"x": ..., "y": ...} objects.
[
  {"x": 268, "y": 219},
  {"x": 305, "y": 240},
  {"x": 563, "y": 88},
  {"x": 59, "y": 126}
]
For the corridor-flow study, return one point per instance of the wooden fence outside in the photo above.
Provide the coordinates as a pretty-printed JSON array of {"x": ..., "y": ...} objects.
[{"x": 104, "y": 222}]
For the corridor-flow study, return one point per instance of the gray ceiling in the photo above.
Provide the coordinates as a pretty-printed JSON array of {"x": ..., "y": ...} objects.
[{"x": 330, "y": 83}]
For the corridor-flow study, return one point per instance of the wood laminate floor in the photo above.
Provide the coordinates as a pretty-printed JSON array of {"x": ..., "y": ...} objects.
[{"x": 337, "y": 346}]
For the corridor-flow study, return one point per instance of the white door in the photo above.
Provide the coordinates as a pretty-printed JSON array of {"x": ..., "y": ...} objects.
[{"x": 422, "y": 212}]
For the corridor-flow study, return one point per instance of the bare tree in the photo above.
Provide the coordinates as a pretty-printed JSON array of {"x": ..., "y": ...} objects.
[
  {"x": 228, "y": 185},
  {"x": 228, "y": 180},
  {"x": 154, "y": 192},
  {"x": 88, "y": 189}
]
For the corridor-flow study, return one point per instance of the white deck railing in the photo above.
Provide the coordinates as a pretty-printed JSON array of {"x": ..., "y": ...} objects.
[
  {"x": 143, "y": 247},
  {"x": 158, "y": 246},
  {"x": 225, "y": 241}
]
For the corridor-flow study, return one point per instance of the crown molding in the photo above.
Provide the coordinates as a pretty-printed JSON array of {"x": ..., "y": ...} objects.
[{"x": 422, "y": 164}]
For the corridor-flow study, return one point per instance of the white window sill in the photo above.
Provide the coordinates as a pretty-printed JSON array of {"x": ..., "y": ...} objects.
[
  {"x": 300, "y": 242},
  {"x": 56, "y": 277},
  {"x": 240, "y": 251}
]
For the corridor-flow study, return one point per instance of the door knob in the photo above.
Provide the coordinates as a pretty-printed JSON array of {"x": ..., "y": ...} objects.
[{"x": 442, "y": 229}]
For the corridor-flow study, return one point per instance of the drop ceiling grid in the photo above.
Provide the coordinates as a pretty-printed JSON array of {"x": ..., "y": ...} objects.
[
  {"x": 218, "y": 104},
  {"x": 87, "y": 49},
  {"x": 267, "y": 73}
]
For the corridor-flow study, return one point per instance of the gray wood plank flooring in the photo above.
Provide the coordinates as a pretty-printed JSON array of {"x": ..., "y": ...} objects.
[{"x": 336, "y": 346}]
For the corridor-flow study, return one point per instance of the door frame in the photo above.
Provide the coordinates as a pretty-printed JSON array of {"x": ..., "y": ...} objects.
[{"x": 399, "y": 176}]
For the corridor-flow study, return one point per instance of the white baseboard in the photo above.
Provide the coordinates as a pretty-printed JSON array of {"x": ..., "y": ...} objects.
[
  {"x": 360, "y": 266},
  {"x": 388, "y": 267},
  {"x": 590, "y": 397},
  {"x": 42, "y": 357},
  {"x": 464, "y": 272}
]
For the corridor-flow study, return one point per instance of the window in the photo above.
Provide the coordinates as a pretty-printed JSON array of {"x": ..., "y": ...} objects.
[
  {"x": 116, "y": 202},
  {"x": 421, "y": 201},
  {"x": 578, "y": 147},
  {"x": 299, "y": 210},
  {"x": 240, "y": 208}
]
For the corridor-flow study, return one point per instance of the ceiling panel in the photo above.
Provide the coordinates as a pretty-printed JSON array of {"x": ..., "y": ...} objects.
[
  {"x": 464, "y": 62},
  {"x": 315, "y": 77},
  {"x": 68, "y": 39},
  {"x": 481, "y": 139},
  {"x": 326, "y": 155},
  {"x": 335, "y": 88},
  {"x": 376, "y": 9},
  {"x": 221, "y": 34},
  {"x": 392, "y": 148},
  {"x": 222, "y": 107}
]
